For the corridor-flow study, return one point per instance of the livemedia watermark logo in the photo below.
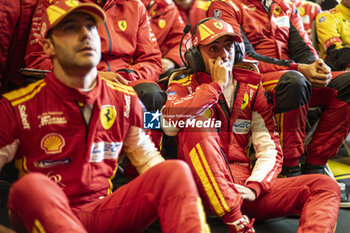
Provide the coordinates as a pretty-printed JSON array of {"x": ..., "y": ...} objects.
[{"x": 153, "y": 120}]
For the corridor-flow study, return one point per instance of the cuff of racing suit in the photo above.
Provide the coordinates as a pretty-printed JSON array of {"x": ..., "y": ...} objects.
[
  {"x": 293, "y": 66},
  {"x": 216, "y": 87},
  {"x": 256, "y": 186},
  {"x": 127, "y": 74}
]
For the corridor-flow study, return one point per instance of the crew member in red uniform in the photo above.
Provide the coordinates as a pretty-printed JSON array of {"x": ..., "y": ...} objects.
[
  {"x": 65, "y": 133},
  {"x": 167, "y": 26},
  {"x": 129, "y": 47},
  {"x": 192, "y": 11},
  {"x": 15, "y": 21},
  {"x": 130, "y": 53},
  {"x": 308, "y": 12},
  {"x": 274, "y": 35},
  {"x": 225, "y": 108}
]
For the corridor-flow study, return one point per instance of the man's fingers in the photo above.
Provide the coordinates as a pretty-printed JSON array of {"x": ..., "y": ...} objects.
[
  {"x": 318, "y": 83},
  {"x": 121, "y": 80}
]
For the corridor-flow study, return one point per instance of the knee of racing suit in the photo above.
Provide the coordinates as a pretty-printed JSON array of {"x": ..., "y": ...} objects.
[
  {"x": 29, "y": 189},
  {"x": 341, "y": 84},
  {"x": 292, "y": 91},
  {"x": 173, "y": 178},
  {"x": 33, "y": 197},
  {"x": 151, "y": 95}
]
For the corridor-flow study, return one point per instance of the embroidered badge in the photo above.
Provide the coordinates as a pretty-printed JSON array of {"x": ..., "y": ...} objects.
[
  {"x": 108, "y": 115},
  {"x": 122, "y": 25},
  {"x": 217, "y": 13},
  {"x": 322, "y": 19},
  {"x": 52, "y": 143},
  {"x": 161, "y": 23},
  {"x": 245, "y": 101}
]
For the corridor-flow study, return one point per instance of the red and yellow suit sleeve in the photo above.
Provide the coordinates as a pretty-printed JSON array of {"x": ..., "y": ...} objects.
[
  {"x": 181, "y": 100},
  {"x": 266, "y": 144},
  {"x": 9, "y": 138}
]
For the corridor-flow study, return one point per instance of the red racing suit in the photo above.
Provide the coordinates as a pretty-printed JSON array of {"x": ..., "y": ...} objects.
[
  {"x": 250, "y": 119},
  {"x": 128, "y": 45},
  {"x": 167, "y": 25},
  {"x": 308, "y": 12},
  {"x": 195, "y": 13},
  {"x": 279, "y": 47},
  {"x": 15, "y": 24},
  {"x": 75, "y": 138}
]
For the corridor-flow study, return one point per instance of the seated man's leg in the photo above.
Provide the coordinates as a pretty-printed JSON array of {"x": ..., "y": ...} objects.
[
  {"x": 166, "y": 190},
  {"x": 200, "y": 149},
  {"x": 41, "y": 205},
  {"x": 151, "y": 95},
  {"x": 290, "y": 92},
  {"x": 334, "y": 123},
  {"x": 316, "y": 197}
]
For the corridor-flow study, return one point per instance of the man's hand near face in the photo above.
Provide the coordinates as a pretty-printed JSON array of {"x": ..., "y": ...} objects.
[{"x": 220, "y": 70}]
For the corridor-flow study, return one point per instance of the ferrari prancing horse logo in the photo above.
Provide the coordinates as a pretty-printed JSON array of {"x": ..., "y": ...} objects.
[
  {"x": 108, "y": 115},
  {"x": 218, "y": 25},
  {"x": 122, "y": 25}
]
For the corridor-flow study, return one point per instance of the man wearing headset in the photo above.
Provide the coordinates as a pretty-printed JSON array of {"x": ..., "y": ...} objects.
[{"x": 216, "y": 111}]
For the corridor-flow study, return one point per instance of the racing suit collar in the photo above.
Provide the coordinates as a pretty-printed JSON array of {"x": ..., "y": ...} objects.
[
  {"x": 204, "y": 77},
  {"x": 73, "y": 94}
]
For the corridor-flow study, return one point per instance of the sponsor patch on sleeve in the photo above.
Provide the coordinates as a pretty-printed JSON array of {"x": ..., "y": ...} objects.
[
  {"x": 217, "y": 13},
  {"x": 322, "y": 19}
]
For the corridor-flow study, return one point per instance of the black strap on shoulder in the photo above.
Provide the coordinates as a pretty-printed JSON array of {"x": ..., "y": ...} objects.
[{"x": 256, "y": 94}]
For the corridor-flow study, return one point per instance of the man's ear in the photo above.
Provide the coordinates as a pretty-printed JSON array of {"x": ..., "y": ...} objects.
[{"x": 48, "y": 47}]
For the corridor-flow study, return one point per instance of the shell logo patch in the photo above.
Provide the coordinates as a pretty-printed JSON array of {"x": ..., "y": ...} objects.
[
  {"x": 218, "y": 25},
  {"x": 245, "y": 101},
  {"x": 52, "y": 143},
  {"x": 72, "y": 3},
  {"x": 108, "y": 115},
  {"x": 161, "y": 23},
  {"x": 122, "y": 25}
]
